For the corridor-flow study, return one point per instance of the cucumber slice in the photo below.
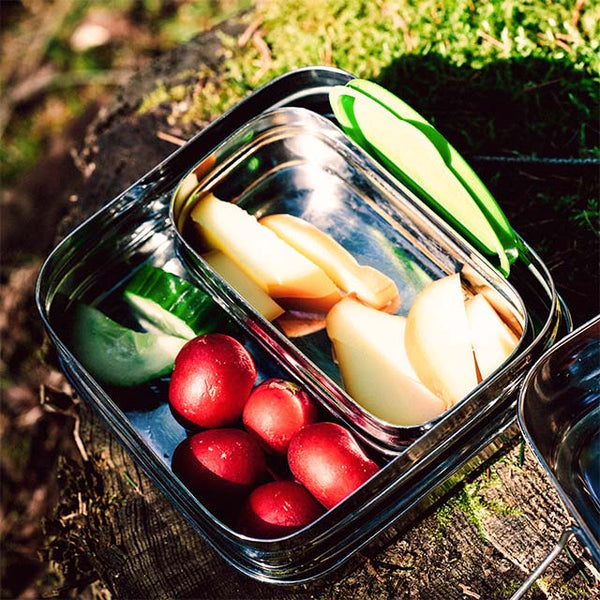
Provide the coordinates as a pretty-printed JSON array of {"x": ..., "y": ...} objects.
[
  {"x": 411, "y": 157},
  {"x": 171, "y": 304},
  {"x": 117, "y": 355},
  {"x": 415, "y": 155},
  {"x": 453, "y": 159}
]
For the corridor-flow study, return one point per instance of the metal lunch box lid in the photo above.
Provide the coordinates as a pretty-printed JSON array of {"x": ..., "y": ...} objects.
[{"x": 559, "y": 415}]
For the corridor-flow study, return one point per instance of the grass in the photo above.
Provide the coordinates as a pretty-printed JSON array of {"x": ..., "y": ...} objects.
[
  {"x": 512, "y": 80},
  {"x": 437, "y": 54},
  {"x": 439, "y": 47}
]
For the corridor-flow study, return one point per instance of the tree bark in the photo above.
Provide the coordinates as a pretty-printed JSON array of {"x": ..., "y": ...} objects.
[{"x": 112, "y": 523}]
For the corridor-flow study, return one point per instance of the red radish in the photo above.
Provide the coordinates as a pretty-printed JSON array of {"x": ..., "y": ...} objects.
[
  {"x": 327, "y": 460},
  {"x": 278, "y": 508},
  {"x": 219, "y": 463},
  {"x": 275, "y": 411},
  {"x": 211, "y": 381}
]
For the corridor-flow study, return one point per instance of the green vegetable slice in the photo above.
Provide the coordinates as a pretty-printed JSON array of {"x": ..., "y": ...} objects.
[
  {"x": 422, "y": 168},
  {"x": 453, "y": 159},
  {"x": 415, "y": 160},
  {"x": 171, "y": 304},
  {"x": 117, "y": 355}
]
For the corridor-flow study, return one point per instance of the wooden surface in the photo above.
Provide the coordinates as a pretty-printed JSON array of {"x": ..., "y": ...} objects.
[{"x": 112, "y": 524}]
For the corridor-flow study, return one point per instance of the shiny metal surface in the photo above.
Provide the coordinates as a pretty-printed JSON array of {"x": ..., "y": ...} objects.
[
  {"x": 294, "y": 161},
  {"x": 95, "y": 261},
  {"x": 559, "y": 413}
]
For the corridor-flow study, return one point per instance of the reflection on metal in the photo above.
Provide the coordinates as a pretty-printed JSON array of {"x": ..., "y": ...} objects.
[{"x": 559, "y": 414}]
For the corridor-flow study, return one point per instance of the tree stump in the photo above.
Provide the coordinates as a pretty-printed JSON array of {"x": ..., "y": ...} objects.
[{"x": 114, "y": 525}]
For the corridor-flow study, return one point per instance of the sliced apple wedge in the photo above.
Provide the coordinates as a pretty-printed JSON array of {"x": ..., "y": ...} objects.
[
  {"x": 512, "y": 317},
  {"x": 438, "y": 341},
  {"x": 370, "y": 285},
  {"x": 493, "y": 342},
  {"x": 244, "y": 285},
  {"x": 503, "y": 308},
  {"x": 369, "y": 347},
  {"x": 282, "y": 272}
]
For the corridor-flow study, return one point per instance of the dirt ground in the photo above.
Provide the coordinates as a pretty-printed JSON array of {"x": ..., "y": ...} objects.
[
  {"x": 34, "y": 430},
  {"x": 33, "y": 436}
]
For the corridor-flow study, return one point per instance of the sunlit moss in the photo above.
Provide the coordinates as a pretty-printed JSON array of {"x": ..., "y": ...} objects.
[
  {"x": 547, "y": 587},
  {"x": 492, "y": 38},
  {"x": 157, "y": 96},
  {"x": 472, "y": 503}
]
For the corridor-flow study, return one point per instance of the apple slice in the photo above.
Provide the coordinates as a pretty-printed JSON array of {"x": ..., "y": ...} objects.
[
  {"x": 493, "y": 342},
  {"x": 282, "y": 272},
  {"x": 369, "y": 347},
  {"x": 370, "y": 285},
  {"x": 244, "y": 285},
  {"x": 438, "y": 341},
  {"x": 513, "y": 320},
  {"x": 505, "y": 308}
]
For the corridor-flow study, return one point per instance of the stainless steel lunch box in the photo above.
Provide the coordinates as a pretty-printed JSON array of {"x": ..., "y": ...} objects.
[{"x": 285, "y": 134}]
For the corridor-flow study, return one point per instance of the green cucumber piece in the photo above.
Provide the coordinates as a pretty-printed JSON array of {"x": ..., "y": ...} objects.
[
  {"x": 414, "y": 159},
  {"x": 453, "y": 159},
  {"x": 117, "y": 355},
  {"x": 171, "y": 304},
  {"x": 387, "y": 99}
]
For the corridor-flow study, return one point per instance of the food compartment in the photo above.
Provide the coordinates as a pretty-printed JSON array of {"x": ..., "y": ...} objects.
[
  {"x": 384, "y": 268},
  {"x": 223, "y": 417}
]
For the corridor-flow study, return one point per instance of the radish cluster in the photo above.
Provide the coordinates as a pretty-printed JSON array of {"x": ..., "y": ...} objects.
[{"x": 258, "y": 456}]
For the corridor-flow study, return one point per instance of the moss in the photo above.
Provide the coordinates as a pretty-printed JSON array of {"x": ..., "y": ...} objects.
[
  {"x": 443, "y": 516},
  {"x": 178, "y": 92},
  {"x": 471, "y": 501},
  {"x": 156, "y": 97},
  {"x": 507, "y": 590},
  {"x": 212, "y": 97},
  {"x": 550, "y": 586},
  {"x": 492, "y": 73},
  {"x": 473, "y": 508}
]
